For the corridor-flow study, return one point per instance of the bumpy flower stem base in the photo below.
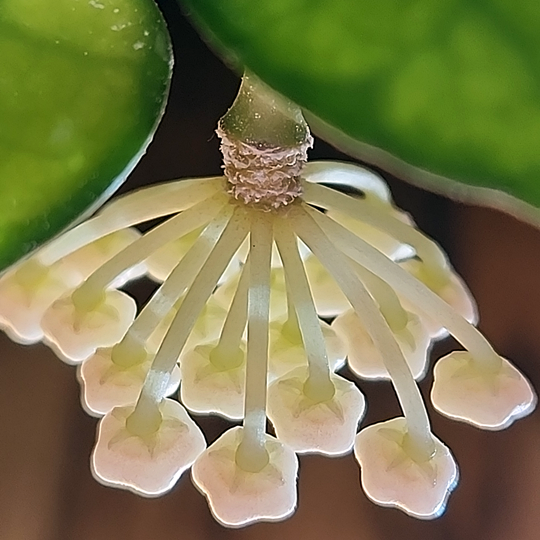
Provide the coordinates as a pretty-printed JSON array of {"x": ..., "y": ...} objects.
[{"x": 265, "y": 141}]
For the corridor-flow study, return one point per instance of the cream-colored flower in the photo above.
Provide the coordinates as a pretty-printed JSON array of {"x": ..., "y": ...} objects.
[
  {"x": 146, "y": 455},
  {"x": 394, "y": 475},
  {"x": 238, "y": 496},
  {"x": 364, "y": 358},
  {"x": 308, "y": 425},
  {"x": 114, "y": 378},
  {"x": 213, "y": 381},
  {"x": 489, "y": 396},
  {"x": 26, "y": 292},
  {"x": 249, "y": 263},
  {"x": 76, "y": 330}
]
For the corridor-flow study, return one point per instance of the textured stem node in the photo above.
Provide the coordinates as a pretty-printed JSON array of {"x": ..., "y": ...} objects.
[{"x": 264, "y": 142}]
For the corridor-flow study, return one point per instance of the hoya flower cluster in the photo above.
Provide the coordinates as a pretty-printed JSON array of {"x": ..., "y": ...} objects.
[{"x": 251, "y": 267}]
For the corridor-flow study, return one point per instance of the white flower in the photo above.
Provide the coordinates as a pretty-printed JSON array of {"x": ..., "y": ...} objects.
[
  {"x": 26, "y": 291},
  {"x": 238, "y": 496},
  {"x": 75, "y": 330},
  {"x": 147, "y": 455},
  {"x": 113, "y": 377},
  {"x": 307, "y": 425},
  {"x": 489, "y": 396},
  {"x": 364, "y": 358},
  {"x": 393, "y": 475},
  {"x": 250, "y": 263}
]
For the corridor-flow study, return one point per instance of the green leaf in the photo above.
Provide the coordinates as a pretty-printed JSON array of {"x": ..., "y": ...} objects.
[
  {"x": 83, "y": 84},
  {"x": 452, "y": 87}
]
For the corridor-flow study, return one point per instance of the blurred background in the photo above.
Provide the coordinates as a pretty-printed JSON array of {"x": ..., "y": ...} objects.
[{"x": 46, "y": 488}]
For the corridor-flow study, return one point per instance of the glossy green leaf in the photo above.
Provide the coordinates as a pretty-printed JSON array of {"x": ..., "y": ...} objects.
[
  {"x": 452, "y": 87},
  {"x": 83, "y": 84}
]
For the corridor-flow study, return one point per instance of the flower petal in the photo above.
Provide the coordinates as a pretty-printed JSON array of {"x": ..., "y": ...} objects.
[
  {"x": 106, "y": 385},
  {"x": 238, "y": 498},
  {"x": 327, "y": 427},
  {"x": 208, "y": 389},
  {"x": 149, "y": 466},
  {"x": 364, "y": 358},
  {"x": 75, "y": 335},
  {"x": 390, "y": 477},
  {"x": 26, "y": 292},
  {"x": 465, "y": 390}
]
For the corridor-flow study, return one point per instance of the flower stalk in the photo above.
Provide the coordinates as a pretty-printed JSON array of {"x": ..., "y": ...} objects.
[{"x": 251, "y": 455}]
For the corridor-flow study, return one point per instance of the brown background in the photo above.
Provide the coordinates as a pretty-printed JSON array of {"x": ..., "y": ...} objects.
[{"x": 46, "y": 489}]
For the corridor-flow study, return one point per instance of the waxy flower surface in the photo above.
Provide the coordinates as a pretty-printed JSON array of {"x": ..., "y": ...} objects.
[{"x": 249, "y": 265}]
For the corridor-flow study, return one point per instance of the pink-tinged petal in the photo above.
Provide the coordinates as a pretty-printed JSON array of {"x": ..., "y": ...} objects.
[
  {"x": 487, "y": 398},
  {"x": 365, "y": 359},
  {"x": 147, "y": 466},
  {"x": 326, "y": 427},
  {"x": 106, "y": 385},
  {"x": 238, "y": 498},
  {"x": 210, "y": 389},
  {"x": 391, "y": 477}
]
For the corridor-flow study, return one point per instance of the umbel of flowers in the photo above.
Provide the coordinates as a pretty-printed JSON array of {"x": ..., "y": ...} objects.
[{"x": 250, "y": 264}]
